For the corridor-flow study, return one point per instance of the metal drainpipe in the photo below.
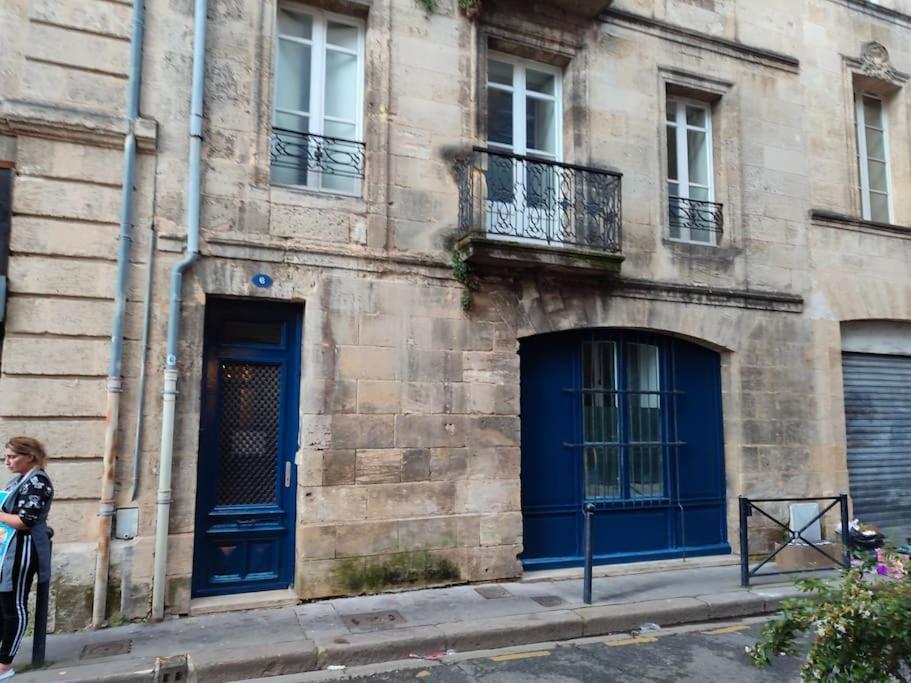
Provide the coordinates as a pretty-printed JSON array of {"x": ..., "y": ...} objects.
[
  {"x": 143, "y": 350},
  {"x": 115, "y": 379},
  {"x": 169, "y": 393}
]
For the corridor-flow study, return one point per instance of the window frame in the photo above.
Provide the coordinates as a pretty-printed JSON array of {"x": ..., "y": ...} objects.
[
  {"x": 682, "y": 151},
  {"x": 519, "y": 93},
  {"x": 863, "y": 160},
  {"x": 316, "y": 117},
  {"x": 620, "y": 396}
]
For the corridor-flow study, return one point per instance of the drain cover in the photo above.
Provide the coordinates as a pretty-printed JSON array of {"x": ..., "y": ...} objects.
[
  {"x": 110, "y": 649},
  {"x": 372, "y": 621},
  {"x": 548, "y": 600},
  {"x": 493, "y": 592}
]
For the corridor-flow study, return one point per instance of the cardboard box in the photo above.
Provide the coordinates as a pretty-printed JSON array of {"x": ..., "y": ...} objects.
[{"x": 797, "y": 555}]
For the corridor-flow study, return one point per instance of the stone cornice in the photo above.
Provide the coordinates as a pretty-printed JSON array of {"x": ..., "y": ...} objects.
[
  {"x": 878, "y": 11},
  {"x": 782, "y": 302},
  {"x": 36, "y": 119},
  {"x": 722, "y": 46},
  {"x": 830, "y": 219}
]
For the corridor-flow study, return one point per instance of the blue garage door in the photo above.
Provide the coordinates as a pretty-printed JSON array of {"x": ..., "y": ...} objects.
[{"x": 629, "y": 421}]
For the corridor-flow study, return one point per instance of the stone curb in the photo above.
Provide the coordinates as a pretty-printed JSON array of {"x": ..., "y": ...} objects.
[{"x": 299, "y": 656}]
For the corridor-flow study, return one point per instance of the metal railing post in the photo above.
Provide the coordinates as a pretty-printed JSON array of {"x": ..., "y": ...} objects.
[
  {"x": 42, "y": 601},
  {"x": 589, "y": 512},
  {"x": 744, "y": 543},
  {"x": 845, "y": 530}
]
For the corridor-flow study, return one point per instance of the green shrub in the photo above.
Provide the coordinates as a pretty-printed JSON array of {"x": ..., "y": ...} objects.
[{"x": 860, "y": 631}]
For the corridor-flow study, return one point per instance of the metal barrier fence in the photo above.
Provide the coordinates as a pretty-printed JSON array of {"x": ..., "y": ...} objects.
[{"x": 749, "y": 505}]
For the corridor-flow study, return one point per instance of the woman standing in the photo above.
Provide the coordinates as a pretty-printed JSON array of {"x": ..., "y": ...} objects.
[{"x": 25, "y": 509}]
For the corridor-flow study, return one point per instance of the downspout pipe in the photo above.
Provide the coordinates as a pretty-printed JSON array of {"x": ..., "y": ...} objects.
[
  {"x": 115, "y": 368},
  {"x": 169, "y": 393}
]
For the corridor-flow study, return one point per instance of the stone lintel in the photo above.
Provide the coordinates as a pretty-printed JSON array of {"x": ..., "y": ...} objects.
[
  {"x": 69, "y": 124},
  {"x": 486, "y": 253},
  {"x": 722, "y": 46}
]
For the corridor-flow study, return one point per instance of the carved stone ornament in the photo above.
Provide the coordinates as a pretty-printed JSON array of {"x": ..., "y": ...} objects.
[{"x": 874, "y": 62}]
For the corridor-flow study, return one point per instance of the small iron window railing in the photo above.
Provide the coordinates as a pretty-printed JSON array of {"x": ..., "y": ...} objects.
[
  {"x": 301, "y": 157},
  {"x": 529, "y": 199},
  {"x": 695, "y": 220}
]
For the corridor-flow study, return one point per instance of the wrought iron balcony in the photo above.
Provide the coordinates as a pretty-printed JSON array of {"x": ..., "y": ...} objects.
[
  {"x": 695, "y": 220},
  {"x": 533, "y": 201},
  {"x": 316, "y": 160}
]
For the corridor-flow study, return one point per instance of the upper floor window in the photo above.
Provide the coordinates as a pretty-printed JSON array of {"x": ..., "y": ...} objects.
[
  {"x": 872, "y": 158},
  {"x": 317, "y": 111},
  {"x": 693, "y": 215}
]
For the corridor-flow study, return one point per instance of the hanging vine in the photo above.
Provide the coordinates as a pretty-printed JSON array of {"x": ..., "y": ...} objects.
[{"x": 462, "y": 272}]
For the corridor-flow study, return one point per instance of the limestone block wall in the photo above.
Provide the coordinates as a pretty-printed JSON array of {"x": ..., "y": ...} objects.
[{"x": 409, "y": 459}]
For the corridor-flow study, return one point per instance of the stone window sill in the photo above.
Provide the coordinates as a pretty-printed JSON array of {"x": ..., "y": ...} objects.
[{"x": 838, "y": 220}]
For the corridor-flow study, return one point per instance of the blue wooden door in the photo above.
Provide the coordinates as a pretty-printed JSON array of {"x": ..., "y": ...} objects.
[
  {"x": 631, "y": 422},
  {"x": 245, "y": 509}
]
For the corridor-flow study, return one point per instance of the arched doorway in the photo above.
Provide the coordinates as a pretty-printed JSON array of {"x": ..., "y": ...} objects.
[{"x": 628, "y": 420}]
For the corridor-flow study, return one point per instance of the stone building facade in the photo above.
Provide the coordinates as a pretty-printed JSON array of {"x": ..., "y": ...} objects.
[{"x": 442, "y": 425}]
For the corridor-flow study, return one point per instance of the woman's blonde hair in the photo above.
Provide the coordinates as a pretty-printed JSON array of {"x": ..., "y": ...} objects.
[{"x": 26, "y": 445}]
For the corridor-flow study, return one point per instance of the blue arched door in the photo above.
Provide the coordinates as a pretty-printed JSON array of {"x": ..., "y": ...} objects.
[{"x": 632, "y": 422}]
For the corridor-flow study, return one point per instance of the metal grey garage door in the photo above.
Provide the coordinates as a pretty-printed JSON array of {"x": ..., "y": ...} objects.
[{"x": 878, "y": 421}]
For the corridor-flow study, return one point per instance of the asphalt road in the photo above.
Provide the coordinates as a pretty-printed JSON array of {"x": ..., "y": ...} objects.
[{"x": 709, "y": 652}]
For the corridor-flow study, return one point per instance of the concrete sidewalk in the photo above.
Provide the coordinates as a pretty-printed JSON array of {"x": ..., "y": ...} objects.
[{"x": 362, "y": 630}]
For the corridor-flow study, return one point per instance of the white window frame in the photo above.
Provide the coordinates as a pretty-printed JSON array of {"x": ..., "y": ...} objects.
[
  {"x": 860, "y": 136},
  {"x": 519, "y": 94},
  {"x": 680, "y": 127},
  {"x": 316, "y": 117},
  {"x": 519, "y": 129}
]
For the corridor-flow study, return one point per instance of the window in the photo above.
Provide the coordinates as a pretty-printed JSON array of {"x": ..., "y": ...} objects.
[
  {"x": 872, "y": 158},
  {"x": 622, "y": 428},
  {"x": 692, "y": 214},
  {"x": 317, "y": 112},
  {"x": 523, "y": 119}
]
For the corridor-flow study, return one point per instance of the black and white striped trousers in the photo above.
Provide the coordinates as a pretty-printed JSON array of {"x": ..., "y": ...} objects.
[{"x": 14, "y": 603}]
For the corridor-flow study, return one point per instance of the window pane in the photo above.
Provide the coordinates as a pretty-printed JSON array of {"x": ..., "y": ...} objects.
[
  {"x": 293, "y": 24},
  {"x": 873, "y": 112},
  {"x": 540, "y": 126},
  {"x": 673, "y": 189},
  {"x": 341, "y": 85},
  {"x": 695, "y": 116},
  {"x": 642, "y": 374},
  {"x": 699, "y": 193},
  {"x": 877, "y": 174},
  {"x": 340, "y": 159},
  {"x": 537, "y": 81},
  {"x": 293, "y": 81},
  {"x": 697, "y": 150},
  {"x": 602, "y": 472},
  {"x": 599, "y": 365},
  {"x": 499, "y": 116},
  {"x": 672, "y": 153},
  {"x": 670, "y": 110},
  {"x": 499, "y": 72},
  {"x": 646, "y": 471},
  {"x": 290, "y": 149},
  {"x": 342, "y": 35},
  {"x": 501, "y": 181},
  {"x": 876, "y": 148},
  {"x": 599, "y": 417},
  {"x": 879, "y": 207}
]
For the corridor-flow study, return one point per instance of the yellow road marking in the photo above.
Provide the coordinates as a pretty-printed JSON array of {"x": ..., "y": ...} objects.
[
  {"x": 725, "y": 629},
  {"x": 631, "y": 641},
  {"x": 520, "y": 655}
]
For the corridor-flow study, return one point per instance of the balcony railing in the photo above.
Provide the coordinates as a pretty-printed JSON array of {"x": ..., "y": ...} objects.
[
  {"x": 695, "y": 220},
  {"x": 316, "y": 160},
  {"x": 524, "y": 199}
]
